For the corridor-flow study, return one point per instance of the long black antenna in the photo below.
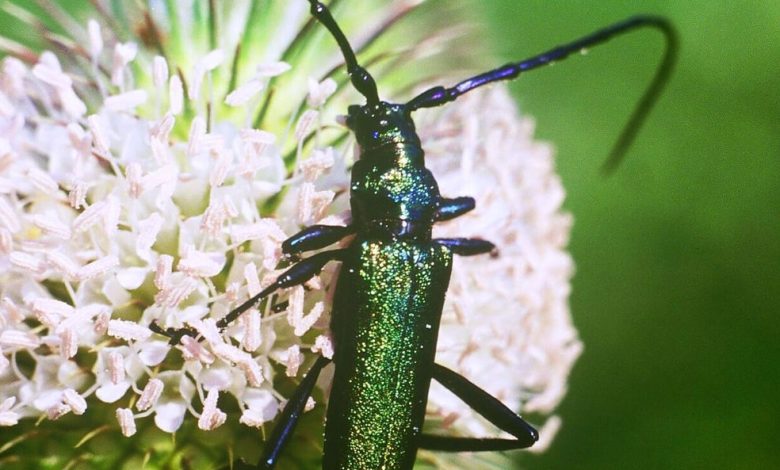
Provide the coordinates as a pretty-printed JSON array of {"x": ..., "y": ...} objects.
[
  {"x": 439, "y": 95},
  {"x": 362, "y": 80}
]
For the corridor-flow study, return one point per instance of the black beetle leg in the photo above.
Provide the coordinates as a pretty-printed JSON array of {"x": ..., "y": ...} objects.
[{"x": 490, "y": 408}]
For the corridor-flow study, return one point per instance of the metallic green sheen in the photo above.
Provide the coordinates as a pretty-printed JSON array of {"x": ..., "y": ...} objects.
[
  {"x": 385, "y": 324},
  {"x": 397, "y": 189},
  {"x": 390, "y": 183}
]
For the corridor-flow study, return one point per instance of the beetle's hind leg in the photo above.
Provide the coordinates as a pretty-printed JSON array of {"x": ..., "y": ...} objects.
[{"x": 490, "y": 408}]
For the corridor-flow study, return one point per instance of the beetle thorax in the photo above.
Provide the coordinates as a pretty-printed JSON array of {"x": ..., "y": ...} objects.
[{"x": 392, "y": 194}]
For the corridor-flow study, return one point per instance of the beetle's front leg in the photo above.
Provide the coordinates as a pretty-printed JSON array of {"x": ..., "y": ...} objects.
[
  {"x": 297, "y": 274},
  {"x": 455, "y": 207},
  {"x": 314, "y": 238}
]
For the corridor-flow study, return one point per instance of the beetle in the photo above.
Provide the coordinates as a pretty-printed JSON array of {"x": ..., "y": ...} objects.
[{"x": 394, "y": 276}]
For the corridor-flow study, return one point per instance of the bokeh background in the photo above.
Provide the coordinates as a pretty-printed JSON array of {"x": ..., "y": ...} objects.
[
  {"x": 677, "y": 289},
  {"x": 677, "y": 253}
]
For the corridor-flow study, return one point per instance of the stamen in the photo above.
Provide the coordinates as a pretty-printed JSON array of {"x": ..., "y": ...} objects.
[
  {"x": 95, "y": 39},
  {"x": 148, "y": 229},
  {"x": 221, "y": 168},
  {"x": 50, "y": 312},
  {"x": 305, "y": 124},
  {"x": 27, "y": 262},
  {"x": 126, "y": 421},
  {"x": 63, "y": 263},
  {"x": 175, "y": 293},
  {"x": 4, "y": 363},
  {"x": 293, "y": 360},
  {"x": 77, "y": 197},
  {"x": 175, "y": 95},
  {"x": 323, "y": 345},
  {"x": 124, "y": 53},
  {"x": 162, "y": 273},
  {"x": 6, "y": 241},
  {"x": 18, "y": 339},
  {"x": 243, "y": 94},
  {"x": 51, "y": 224},
  {"x": 273, "y": 69},
  {"x": 75, "y": 401},
  {"x": 57, "y": 411},
  {"x": 264, "y": 228},
  {"x": 198, "y": 263},
  {"x": 319, "y": 92},
  {"x": 43, "y": 182},
  {"x": 97, "y": 268},
  {"x": 212, "y": 417},
  {"x": 8, "y": 217},
  {"x": 126, "y": 101},
  {"x": 197, "y": 133},
  {"x": 316, "y": 165},
  {"x": 150, "y": 394},
  {"x": 99, "y": 137},
  {"x": 127, "y": 330},
  {"x": 101, "y": 322},
  {"x": 159, "y": 72},
  {"x": 12, "y": 313},
  {"x": 252, "y": 280},
  {"x": 310, "y": 403},
  {"x": 252, "y": 333}
]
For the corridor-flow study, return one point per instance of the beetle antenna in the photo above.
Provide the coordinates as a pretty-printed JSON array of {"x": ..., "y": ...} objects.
[
  {"x": 439, "y": 95},
  {"x": 362, "y": 80}
]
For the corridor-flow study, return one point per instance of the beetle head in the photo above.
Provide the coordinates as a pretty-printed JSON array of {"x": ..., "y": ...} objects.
[{"x": 381, "y": 125}]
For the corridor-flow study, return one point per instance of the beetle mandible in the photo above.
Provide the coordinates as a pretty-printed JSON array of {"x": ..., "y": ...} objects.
[{"x": 394, "y": 275}]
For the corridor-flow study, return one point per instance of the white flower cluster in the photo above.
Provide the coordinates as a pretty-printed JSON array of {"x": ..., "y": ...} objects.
[
  {"x": 109, "y": 223},
  {"x": 115, "y": 219},
  {"x": 506, "y": 323}
]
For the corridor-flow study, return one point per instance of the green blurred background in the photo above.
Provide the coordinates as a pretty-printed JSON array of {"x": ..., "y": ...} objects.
[
  {"x": 678, "y": 254},
  {"x": 678, "y": 278}
]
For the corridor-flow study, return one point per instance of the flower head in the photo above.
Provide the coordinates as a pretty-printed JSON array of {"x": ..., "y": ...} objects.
[{"x": 147, "y": 182}]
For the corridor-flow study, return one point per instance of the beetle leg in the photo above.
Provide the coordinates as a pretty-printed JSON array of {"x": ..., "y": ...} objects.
[
  {"x": 490, "y": 408},
  {"x": 468, "y": 246},
  {"x": 289, "y": 417},
  {"x": 297, "y": 274},
  {"x": 451, "y": 208},
  {"x": 314, "y": 238}
]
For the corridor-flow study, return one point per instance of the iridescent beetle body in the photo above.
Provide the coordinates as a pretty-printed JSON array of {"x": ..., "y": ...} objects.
[{"x": 384, "y": 330}]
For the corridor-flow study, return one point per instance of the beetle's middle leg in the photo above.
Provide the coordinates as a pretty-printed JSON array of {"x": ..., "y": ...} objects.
[
  {"x": 297, "y": 274},
  {"x": 468, "y": 246},
  {"x": 490, "y": 408},
  {"x": 455, "y": 207}
]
